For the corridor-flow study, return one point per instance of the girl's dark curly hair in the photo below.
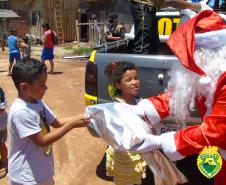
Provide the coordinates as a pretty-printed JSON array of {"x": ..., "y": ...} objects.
[{"x": 115, "y": 70}]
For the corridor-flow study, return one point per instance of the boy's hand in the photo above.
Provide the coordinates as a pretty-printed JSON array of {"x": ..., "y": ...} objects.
[{"x": 81, "y": 120}]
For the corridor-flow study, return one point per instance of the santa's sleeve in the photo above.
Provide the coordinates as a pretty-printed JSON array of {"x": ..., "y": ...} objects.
[
  {"x": 193, "y": 139},
  {"x": 155, "y": 108}
]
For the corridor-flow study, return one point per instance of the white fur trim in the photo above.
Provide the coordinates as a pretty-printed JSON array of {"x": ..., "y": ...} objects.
[
  {"x": 150, "y": 111},
  {"x": 211, "y": 40},
  {"x": 169, "y": 147},
  {"x": 205, "y": 80}
]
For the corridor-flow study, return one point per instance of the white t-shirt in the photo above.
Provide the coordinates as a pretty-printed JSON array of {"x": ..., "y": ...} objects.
[{"x": 29, "y": 163}]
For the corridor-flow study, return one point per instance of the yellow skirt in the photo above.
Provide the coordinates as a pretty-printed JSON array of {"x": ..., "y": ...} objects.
[{"x": 125, "y": 167}]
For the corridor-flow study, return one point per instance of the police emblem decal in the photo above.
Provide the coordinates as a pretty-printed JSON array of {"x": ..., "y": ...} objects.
[{"x": 209, "y": 161}]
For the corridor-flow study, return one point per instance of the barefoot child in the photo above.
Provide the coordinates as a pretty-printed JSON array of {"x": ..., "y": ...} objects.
[
  {"x": 125, "y": 167},
  {"x": 30, "y": 148},
  {"x": 3, "y": 135}
]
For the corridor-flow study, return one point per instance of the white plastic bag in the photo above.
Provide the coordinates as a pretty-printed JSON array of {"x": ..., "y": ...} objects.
[
  {"x": 122, "y": 129},
  {"x": 117, "y": 125}
]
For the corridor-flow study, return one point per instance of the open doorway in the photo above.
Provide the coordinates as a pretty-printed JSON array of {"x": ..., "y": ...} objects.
[{"x": 84, "y": 28}]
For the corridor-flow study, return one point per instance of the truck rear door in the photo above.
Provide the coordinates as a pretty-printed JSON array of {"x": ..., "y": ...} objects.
[{"x": 152, "y": 72}]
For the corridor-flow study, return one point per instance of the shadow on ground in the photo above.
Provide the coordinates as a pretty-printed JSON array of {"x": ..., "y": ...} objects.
[{"x": 56, "y": 73}]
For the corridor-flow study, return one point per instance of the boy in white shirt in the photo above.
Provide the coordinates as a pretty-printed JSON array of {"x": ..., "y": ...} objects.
[{"x": 30, "y": 152}]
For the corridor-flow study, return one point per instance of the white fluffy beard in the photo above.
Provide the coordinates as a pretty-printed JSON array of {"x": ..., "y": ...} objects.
[{"x": 184, "y": 85}]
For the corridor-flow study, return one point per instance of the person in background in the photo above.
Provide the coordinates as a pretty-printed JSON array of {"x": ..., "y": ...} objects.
[
  {"x": 30, "y": 38},
  {"x": 146, "y": 39},
  {"x": 3, "y": 44},
  {"x": 26, "y": 50},
  {"x": 3, "y": 136},
  {"x": 14, "y": 51},
  {"x": 47, "y": 52},
  {"x": 4, "y": 41},
  {"x": 116, "y": 31}
]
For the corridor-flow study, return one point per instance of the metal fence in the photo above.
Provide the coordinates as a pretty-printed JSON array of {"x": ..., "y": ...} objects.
[{"x": 96, "y": 31}]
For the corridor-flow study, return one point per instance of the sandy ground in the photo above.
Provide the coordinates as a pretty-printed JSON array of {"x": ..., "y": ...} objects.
[{"x": 78, "y": 154}]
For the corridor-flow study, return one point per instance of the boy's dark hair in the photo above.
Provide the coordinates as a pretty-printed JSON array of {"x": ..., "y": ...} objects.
[
  {"x": 27, "y": 70},
  {"x": 13, "y": 31},
  {"x": 25, "y": 38},
  {"x": 46, "y": 25},
  {"x": 115, "y": 70}
]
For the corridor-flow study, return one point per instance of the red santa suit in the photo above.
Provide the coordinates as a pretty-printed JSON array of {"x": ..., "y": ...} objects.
[{"x": 212, "y": 130}]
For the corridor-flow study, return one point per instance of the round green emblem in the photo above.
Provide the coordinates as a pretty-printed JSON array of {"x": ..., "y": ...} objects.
[{"x": 209, "y": 161}]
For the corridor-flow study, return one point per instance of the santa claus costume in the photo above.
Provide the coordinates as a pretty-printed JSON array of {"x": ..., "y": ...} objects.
[{"x": 200, "y": 45}]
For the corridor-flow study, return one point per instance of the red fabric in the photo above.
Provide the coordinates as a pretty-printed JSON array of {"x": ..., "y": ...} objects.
[
  {"x": 200, "y": 101},
  {"x": 221, "y": 83},
  {"x": 221, "y": 176},
  {"x": 182, "y": 40},
  {"x": 48, "y": 39},
  {"x": 161, "y": 104},
  {"x": 212, "y": 131}
]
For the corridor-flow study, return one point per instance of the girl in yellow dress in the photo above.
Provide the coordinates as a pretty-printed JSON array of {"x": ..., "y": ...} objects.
[{"x": 127, "y": 168}]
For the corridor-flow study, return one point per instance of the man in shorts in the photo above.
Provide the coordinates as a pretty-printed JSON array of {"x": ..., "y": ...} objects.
[
  {"x": 14, "y": 51},
  {"x": 47, "y": 52}
]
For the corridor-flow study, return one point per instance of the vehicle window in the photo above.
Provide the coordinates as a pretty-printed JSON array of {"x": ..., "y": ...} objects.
[{"x": 219, "y": 5}]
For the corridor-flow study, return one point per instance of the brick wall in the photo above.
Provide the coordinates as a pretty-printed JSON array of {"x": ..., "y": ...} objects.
[{"x": 21, "y": 24}]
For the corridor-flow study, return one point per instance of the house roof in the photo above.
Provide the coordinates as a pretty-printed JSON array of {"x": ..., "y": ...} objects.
[{"x": 8, "y": 14}]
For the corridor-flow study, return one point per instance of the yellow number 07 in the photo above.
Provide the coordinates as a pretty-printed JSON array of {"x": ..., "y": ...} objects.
[{"x": 165, "y": 25}]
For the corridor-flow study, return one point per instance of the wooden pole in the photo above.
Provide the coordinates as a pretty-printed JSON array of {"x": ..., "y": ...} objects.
[
  {"x": 77, "y": 31},
  {"x": 89, "y": 30}
]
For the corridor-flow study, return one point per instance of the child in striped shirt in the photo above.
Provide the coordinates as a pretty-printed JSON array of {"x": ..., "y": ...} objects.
[{"x": 125, "y": 167}]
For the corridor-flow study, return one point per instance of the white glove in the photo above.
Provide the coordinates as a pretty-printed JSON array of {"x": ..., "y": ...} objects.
[
  {"x": 151, "y": 142},
  {"x": 135, "y": 109},
  {"x": 165, "y": 142}
]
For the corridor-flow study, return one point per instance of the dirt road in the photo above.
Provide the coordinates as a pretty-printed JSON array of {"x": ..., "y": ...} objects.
[{"x": 78, "y": 153}]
